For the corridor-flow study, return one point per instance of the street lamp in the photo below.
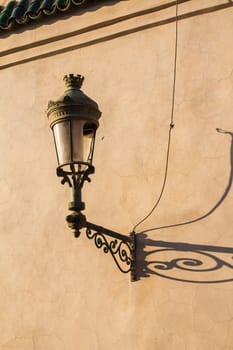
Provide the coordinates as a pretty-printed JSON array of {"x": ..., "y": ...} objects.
[{"x": 74, "y": 119}]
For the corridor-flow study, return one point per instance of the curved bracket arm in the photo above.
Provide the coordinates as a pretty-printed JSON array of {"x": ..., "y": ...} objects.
[{"x": 122, "y": 248}]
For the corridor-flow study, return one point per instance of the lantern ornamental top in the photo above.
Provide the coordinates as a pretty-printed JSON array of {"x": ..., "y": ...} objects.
[
  {"x": 73, "y": 104},
  {"x": 73, "y": 81}
]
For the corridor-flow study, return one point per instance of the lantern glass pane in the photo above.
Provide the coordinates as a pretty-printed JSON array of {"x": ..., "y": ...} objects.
[
  {"x": 61, "y": 132},
  {"x": 77, "y": 140},
  {"x": 88, "y": 143}
]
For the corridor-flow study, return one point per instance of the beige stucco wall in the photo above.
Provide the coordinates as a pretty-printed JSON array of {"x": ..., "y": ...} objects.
[{"x": 59, "y": 293}]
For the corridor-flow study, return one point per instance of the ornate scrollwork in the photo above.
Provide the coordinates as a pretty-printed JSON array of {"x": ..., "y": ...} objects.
[
  {"x": 121, "y": 251},
  {"x": 75, "y": 173}
]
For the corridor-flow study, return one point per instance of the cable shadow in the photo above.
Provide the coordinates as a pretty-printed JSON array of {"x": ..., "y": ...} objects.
[
  {"x": 184, "y": 262},
  {"x": 219, "y": 202}
]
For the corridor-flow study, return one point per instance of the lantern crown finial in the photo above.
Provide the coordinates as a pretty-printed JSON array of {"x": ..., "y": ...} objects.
[{"x": 73, "y": 81}]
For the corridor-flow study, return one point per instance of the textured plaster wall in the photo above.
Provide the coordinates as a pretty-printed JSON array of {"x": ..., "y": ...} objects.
[{"x": 59, "y": 293}]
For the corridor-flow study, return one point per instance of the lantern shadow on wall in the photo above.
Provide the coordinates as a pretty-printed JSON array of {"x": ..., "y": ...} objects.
[{"x": 187, "y": 262}]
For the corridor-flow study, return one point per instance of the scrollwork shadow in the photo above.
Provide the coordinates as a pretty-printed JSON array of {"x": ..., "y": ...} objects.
[{"x": 184, "y": 262}]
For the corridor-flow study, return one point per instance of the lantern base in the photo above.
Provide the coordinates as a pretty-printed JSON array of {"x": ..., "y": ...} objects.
[{"x": 75, "y": 173}]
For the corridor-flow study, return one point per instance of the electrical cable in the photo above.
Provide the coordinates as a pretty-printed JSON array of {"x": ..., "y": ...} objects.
[{"x": 171, "y": 126}]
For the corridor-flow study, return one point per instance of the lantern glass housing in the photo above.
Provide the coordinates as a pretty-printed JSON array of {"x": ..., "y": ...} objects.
[
  {"x": 74, "y": 121},
  {"x": 74, "y": 142}
]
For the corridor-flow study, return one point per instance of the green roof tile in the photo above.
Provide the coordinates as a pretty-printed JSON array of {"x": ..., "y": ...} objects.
[
  {"x": 33, "y": 8},
  {"x": 19, "y": 10},
  {"x": 62, "y": 5},
  {"x": 6, "y": 14}
]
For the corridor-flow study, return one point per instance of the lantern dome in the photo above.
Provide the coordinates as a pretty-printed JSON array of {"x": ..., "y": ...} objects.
[{"x": 73, "y": 104}]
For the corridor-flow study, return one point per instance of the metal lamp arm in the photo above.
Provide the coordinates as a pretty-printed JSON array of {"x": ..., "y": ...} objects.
[
  {"x": 105, "y": 231},
  {"x": 121, "y": 247}
]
